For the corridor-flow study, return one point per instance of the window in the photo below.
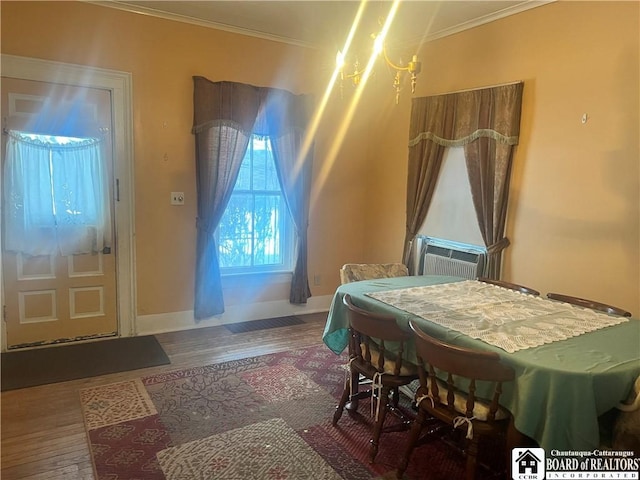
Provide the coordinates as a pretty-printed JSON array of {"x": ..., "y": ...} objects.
[
  {"x": 256, "y": 233},
  {"x": 452, "y": 215},
  {"x": 56, "y": 195},
  {"x": 61, "y": 184}
]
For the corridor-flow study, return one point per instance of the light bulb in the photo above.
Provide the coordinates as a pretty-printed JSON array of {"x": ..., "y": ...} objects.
[{"x": 378, "y": 45}]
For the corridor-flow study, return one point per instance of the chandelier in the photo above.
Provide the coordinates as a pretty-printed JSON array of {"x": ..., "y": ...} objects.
[{"x": 379, "y": 48}]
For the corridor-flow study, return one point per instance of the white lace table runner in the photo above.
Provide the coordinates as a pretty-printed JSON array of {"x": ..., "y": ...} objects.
[{"x": 498, "y": 316}]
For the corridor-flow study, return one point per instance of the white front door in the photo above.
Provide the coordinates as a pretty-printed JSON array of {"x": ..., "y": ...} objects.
[{"x": 62, "y": 296}]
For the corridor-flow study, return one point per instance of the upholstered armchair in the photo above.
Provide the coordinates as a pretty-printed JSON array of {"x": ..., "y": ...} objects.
[{"x": 354, "y": 272}]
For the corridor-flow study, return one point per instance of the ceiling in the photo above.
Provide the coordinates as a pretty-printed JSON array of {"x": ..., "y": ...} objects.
[{"x": 326, "y": 24}]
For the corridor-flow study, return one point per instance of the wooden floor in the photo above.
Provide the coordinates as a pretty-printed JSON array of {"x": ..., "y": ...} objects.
[{"x": 43, "y": 435}]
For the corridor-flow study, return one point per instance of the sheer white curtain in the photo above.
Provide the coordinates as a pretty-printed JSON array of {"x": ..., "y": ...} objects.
[
  {"x": 451, "y": 215},
  {"x": 56, "y": 195}
]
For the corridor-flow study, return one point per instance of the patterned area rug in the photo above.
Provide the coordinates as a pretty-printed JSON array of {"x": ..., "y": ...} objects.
[{"x": 260, "y": 418}]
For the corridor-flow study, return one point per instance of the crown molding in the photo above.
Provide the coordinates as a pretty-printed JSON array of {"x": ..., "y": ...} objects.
[
  {"x": 141, "y": 10},
  {"x": 476, "y": 22},
  {"x": 151, "y": 12}
]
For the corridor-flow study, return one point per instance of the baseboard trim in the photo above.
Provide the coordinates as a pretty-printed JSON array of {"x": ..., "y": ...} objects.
[{"x": 176, "y": 321}]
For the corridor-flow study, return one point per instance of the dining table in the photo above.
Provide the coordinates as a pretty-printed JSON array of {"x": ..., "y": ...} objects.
[{"x": 572, "y": 365}]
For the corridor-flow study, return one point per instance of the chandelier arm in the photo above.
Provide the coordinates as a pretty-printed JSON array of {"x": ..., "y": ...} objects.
[
  {"x": 390, "y": 63},
  {"x": 356, "y": 73}
]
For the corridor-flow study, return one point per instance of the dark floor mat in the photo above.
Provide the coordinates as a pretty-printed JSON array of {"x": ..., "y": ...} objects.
[
  {"x": 29, "y": 368},
  {"x": 254, "y": 325}
]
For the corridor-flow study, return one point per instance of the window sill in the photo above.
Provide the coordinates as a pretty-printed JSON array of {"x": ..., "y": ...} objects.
[{"x": 255, "y": 278}]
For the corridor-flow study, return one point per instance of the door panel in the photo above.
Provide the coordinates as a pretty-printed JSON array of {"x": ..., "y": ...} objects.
[{"x": 54, "y": 299}]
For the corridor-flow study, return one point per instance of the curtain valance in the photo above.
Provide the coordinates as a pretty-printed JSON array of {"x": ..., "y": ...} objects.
[
  {"x": 259, "y": 110},
  {"x": 235, "y": 104},
  {"x": 457, "y": 119}
]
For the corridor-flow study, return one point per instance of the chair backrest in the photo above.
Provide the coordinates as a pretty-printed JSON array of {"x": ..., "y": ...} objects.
[
  {"x": 376, "y": 338},
  {"x": 354, "y": 272},
  {"x": 461, "y": 363},
  {"x": 582, "y": 302},
  {"x": 512, "y": 286}
]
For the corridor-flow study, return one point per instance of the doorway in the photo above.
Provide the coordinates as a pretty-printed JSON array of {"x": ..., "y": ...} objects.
[{"x": 70, "y": 295}]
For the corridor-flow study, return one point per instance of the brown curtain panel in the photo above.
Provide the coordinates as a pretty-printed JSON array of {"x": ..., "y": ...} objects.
[
  {"x": 486, "y": 122},
  {"x": 287, "y": 116},
  {"x": 226, "y": 114},
  {"x": 431, "y": 117}
]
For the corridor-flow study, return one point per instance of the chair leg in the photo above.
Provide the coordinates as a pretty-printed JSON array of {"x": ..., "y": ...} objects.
[
  {"x": 394, "y": 409},
  {"x": 343, "y": 401},
  {"x": 472, "y": 458},
  {"x": 352, "y": 405},
  {"x": 396, "y": 397},
  {"x": 414, "y": 434},
  {"x": 377, "y": 427},
  {"x": 350, "y": 391}
]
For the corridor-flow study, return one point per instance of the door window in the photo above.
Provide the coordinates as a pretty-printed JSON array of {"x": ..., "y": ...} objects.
[{"x": 55, "y": 195}]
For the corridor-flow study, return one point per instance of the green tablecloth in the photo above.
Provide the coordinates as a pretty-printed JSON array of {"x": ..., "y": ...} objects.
[{"x": 561, "y": 388}]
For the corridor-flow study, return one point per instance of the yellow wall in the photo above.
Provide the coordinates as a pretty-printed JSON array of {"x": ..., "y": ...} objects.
[
  {"x": 163, "y": 56},
  {"x": 574, "y": 214},
  {"x": 574, "y": 190}
]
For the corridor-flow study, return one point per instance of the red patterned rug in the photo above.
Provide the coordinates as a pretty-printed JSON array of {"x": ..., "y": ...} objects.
[{"x": 260, "y": 418}]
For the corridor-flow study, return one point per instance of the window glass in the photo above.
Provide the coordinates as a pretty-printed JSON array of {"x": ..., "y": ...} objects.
[
  {"x": 255, "y": 232},
  {"x": 56, "y": 195},
  {"x": 451, "y": 214}
]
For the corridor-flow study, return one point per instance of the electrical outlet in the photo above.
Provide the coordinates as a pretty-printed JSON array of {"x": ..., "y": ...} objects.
[
  {"x": 177, "y": 198},
  {"x": 317, "y": 279}
]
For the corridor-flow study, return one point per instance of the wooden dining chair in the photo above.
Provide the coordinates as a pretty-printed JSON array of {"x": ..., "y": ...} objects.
[
  {"x": 370, "y": 337},
  {"x": 455, "y": 401},
  {"x": 509, "y": 285},
  {"x": 355, "y": 272},
  {"x": 582, "y": 302}
]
